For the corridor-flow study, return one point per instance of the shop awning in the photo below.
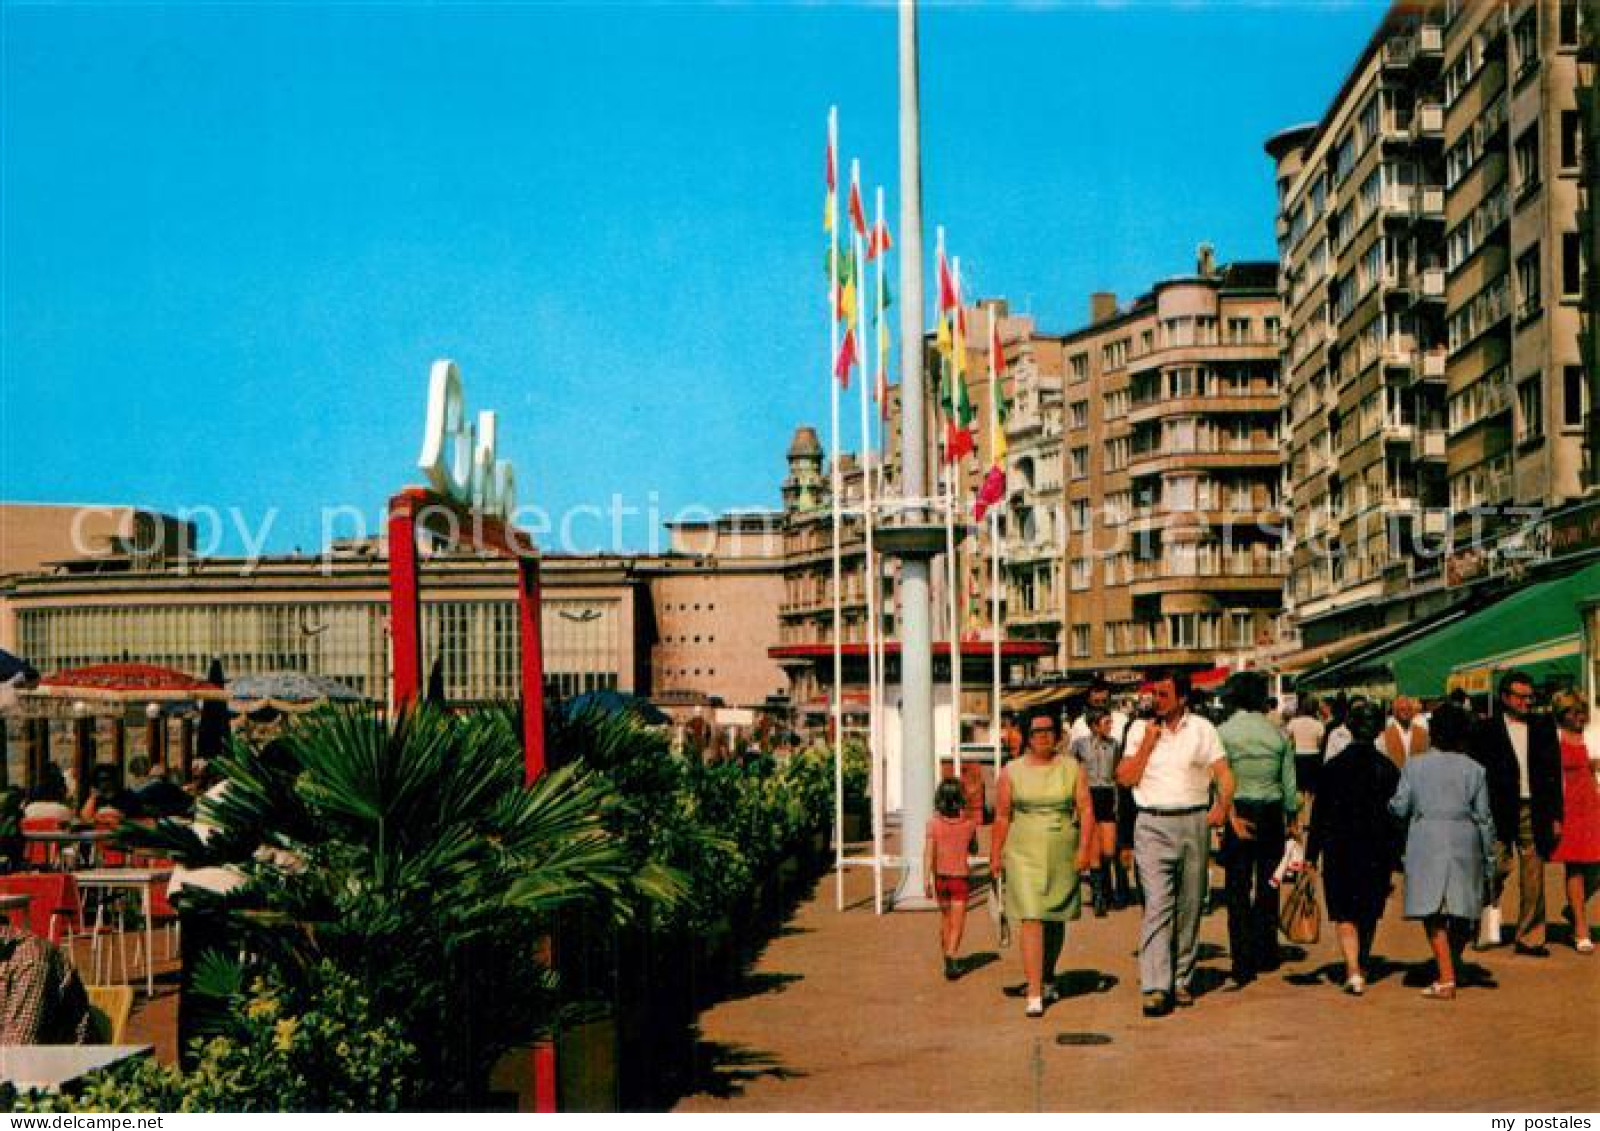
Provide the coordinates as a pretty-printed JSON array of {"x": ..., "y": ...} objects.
[
  {"x": 1554, "y": 659},
  {"x": 1210, "y": 678},
  {"x": 1307, "y": 660},
  {"x": 1538, "y": 624},
  {"x": 1027, "y": 698}
]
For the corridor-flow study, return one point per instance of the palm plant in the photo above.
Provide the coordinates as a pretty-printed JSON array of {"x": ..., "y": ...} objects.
[{"x": 408, "y": 853}]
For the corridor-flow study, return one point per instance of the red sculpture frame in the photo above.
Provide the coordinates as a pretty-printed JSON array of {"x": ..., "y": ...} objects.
[{"x": 417, "y": 508}]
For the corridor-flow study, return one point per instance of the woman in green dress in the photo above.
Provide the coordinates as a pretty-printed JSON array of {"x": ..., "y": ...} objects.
[{"x": 1043, "y": 837}]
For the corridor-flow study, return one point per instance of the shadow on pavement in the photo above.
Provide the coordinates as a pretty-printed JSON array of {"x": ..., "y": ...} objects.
[
  {"x": 754, "y": 983},
  {"x": 723, "y": 1070}
]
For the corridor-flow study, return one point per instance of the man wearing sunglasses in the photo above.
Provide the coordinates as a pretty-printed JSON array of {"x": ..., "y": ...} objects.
[{"x": 1521, "y": 755}]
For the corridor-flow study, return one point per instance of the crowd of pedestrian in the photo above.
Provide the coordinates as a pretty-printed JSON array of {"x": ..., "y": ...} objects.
[{"x": 1447, "y": 799}]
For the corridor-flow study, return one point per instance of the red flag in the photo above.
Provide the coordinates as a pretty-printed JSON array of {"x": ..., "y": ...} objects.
[
  {"x": 829, "y": 172},
  {"x": 948, "y": 299},
  {"x": 992, "y": 491},
  {"x": 878, "y": 242},
  {"x": 846, "y": 359},
  {"x": 998, "y": 354},
  {"x": 958, "y": 441},
  {"x": 858, "y": 214}
]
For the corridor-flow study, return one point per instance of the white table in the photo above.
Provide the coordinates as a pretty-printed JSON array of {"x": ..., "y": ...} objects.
[
  {"x": 47, "y": 1067},
  {"x": 123, "y": 879}
]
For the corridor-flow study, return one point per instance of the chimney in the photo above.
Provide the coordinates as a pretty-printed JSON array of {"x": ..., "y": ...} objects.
[
  {"x": 1205, "y": 261},
  {"x": 1102, "y": 305}
]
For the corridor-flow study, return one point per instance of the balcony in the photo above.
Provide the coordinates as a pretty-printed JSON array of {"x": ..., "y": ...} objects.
[
  {"x": 1399, "y": 351},
  {"x": 1221, "y": 456},
  {"x": 1428, "y": 285},
  {"x": 1208, "y": 572},
  {"x": 1428, "y": 445},
  {"x": 1429, "y": 42},
  {"x": 1427, "y": 204},
  {"x": 1394, "y": 202},
  {"x": 1427, "y": 124},
  {"x": 1398, "y": 432},
  {"x": 1399, "y": 52},
  {"x": 1433, "y": 365}
]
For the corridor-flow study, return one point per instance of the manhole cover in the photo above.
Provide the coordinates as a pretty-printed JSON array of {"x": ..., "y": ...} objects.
[{"x": 1082, "y": 1039}]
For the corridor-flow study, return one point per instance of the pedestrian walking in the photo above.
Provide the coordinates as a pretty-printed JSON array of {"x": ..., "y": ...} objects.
[
  {"x": 1521, "y": 756},
  {"x": 1043, "y": 836},
  {"x": 1096, "y": 753},
  {"x": 1449, "y": 843},
  {"x": 1176, "y": 758},
  {"x": 1266, "y": 806},
  {"x": 1357, "y": 842},
  {"x": 1578, "y": 849},
  {"x": 952, "y": 834}
]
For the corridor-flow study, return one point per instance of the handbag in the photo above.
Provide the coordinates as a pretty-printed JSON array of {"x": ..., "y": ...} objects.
[
  {"x": 997, "y": 911},
  {"x": 1300, "y": 916}
]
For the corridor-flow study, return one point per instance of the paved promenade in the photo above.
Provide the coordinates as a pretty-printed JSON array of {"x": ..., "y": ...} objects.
[{"x": 850, "y": 1012}]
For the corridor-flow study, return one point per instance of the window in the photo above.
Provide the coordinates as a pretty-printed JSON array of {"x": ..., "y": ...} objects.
[
  {"x": 1078, "y": 367},
  {"x": 1567, "y": 23},
  {"x": 1571, "y": 265},
  {"x": 1530, "y": 408},
  {"x": 1080, "y": 414},
  {"x": 1147, "y": 341},
  {"x": 1574, "y": 396},
  {"x": 1570, "y": 144},
  {"x": 1080, "y": 515},
  {"x": 1080, "y": 462},
  {"x": 1080, "y": 640},
  {"x": 1079, "y": 576},
  {"x": 1525, "y": 38},
  {"x": 1271, "y": 325},
  {"x": 1115, "y": 354},
  {"x": 1238, "y": 331},
  {"x": 1528, "y": 282},
  {"x": 1526, "y": 157},
  {"x": 1461, "y": 73}
]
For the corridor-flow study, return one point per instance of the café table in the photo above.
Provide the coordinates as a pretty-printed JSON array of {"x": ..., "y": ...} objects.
[
  {"x": 89, "y": 839},
  {"x": 45, "y": 1068},
  {"x": 108, "y": 880}
]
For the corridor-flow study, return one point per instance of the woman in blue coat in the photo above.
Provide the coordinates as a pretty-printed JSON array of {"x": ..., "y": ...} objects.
[{"x": 1449, "y": 843}]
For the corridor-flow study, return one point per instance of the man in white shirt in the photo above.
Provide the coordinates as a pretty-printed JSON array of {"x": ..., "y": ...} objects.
[
  {"x": 1170, "y": 764},
  {"x": 1405, "y": 736}
]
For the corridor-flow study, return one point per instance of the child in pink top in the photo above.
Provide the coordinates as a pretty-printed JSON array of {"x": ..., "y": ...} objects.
[{"x": 951, "y": 833}]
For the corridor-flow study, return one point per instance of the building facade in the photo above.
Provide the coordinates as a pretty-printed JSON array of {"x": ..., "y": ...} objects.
[
  {"x": 1172, "y": 543},
  {"x": 1431, "y": 248}
]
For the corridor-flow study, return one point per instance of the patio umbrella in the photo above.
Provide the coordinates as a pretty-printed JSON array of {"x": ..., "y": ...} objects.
[
  {"x": 287, "y": 691},
  {"x": 614, "y": 702},
  {"x": 13, "y": 666}
]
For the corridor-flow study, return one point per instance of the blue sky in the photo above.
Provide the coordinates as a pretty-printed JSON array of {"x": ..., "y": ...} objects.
[{"x": 235, "y": 237}]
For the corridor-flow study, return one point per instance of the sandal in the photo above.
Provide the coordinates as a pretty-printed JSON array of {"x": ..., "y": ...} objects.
[
  {"x": 1585, "y": 946},
  {"x": 1355, "y": 985},
  {"x": 1440, "y": 991}
]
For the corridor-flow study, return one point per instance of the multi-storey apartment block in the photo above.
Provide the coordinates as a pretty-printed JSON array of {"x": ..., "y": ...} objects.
[
  {"x": 1432, "y": 262},
  {"x": 1172, "y": 540}
]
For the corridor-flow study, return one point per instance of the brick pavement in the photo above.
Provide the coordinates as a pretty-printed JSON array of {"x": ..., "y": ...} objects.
[{"x": 850, "y": 1012}]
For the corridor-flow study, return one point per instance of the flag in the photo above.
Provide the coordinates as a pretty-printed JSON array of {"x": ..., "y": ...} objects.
[
  {"x": 948, "y": 296},
  {"x": 881, "y": 394},
  {"x": 990, "y": 492},
  {"x": 878, "y": 242},
  {"x": 847, "y": 300},
  {"x": 997, "y": 394},
  {"x": 957, "y": 442},
  {"x": 829, "y": 178},
  {"x": 846, "y": 359},
  {"x": 858, "y": 212},
  {"x": 941, "y": 338}
]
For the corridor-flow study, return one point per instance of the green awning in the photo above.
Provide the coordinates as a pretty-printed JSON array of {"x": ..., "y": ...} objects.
[{"x": 1541, "y": 619}]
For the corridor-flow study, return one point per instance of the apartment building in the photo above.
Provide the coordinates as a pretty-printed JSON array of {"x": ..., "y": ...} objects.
[
  {"x": 1171, "y": 541},
  {"x": 1431, "y": 273}
]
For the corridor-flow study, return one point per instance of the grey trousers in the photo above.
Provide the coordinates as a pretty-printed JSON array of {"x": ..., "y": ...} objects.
[{"x": 1171, "y": 856}]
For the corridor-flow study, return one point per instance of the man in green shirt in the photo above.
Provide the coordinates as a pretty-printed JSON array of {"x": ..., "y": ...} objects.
[{"x": 1265, "y": 810}]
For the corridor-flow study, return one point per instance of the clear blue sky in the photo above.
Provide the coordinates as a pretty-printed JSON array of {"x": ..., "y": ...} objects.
[{"x": 235, "y": 237}]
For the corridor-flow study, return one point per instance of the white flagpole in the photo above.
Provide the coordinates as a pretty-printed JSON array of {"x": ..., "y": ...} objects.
[
  {"x": 838, "y": 628},
  {"x": 867, "y": 566},
  {"x": 878, "y": 694},
  {"x": 958, "y": 346},
  {"x": 997, "y": 629}
]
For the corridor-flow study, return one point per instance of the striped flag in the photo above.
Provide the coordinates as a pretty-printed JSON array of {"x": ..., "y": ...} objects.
[
  {"x": 858, "y": 212},
  {"x": 830, "y": 174},
  {"x": 878, "y": 242},
  {"x": 997, "y": 393}
]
